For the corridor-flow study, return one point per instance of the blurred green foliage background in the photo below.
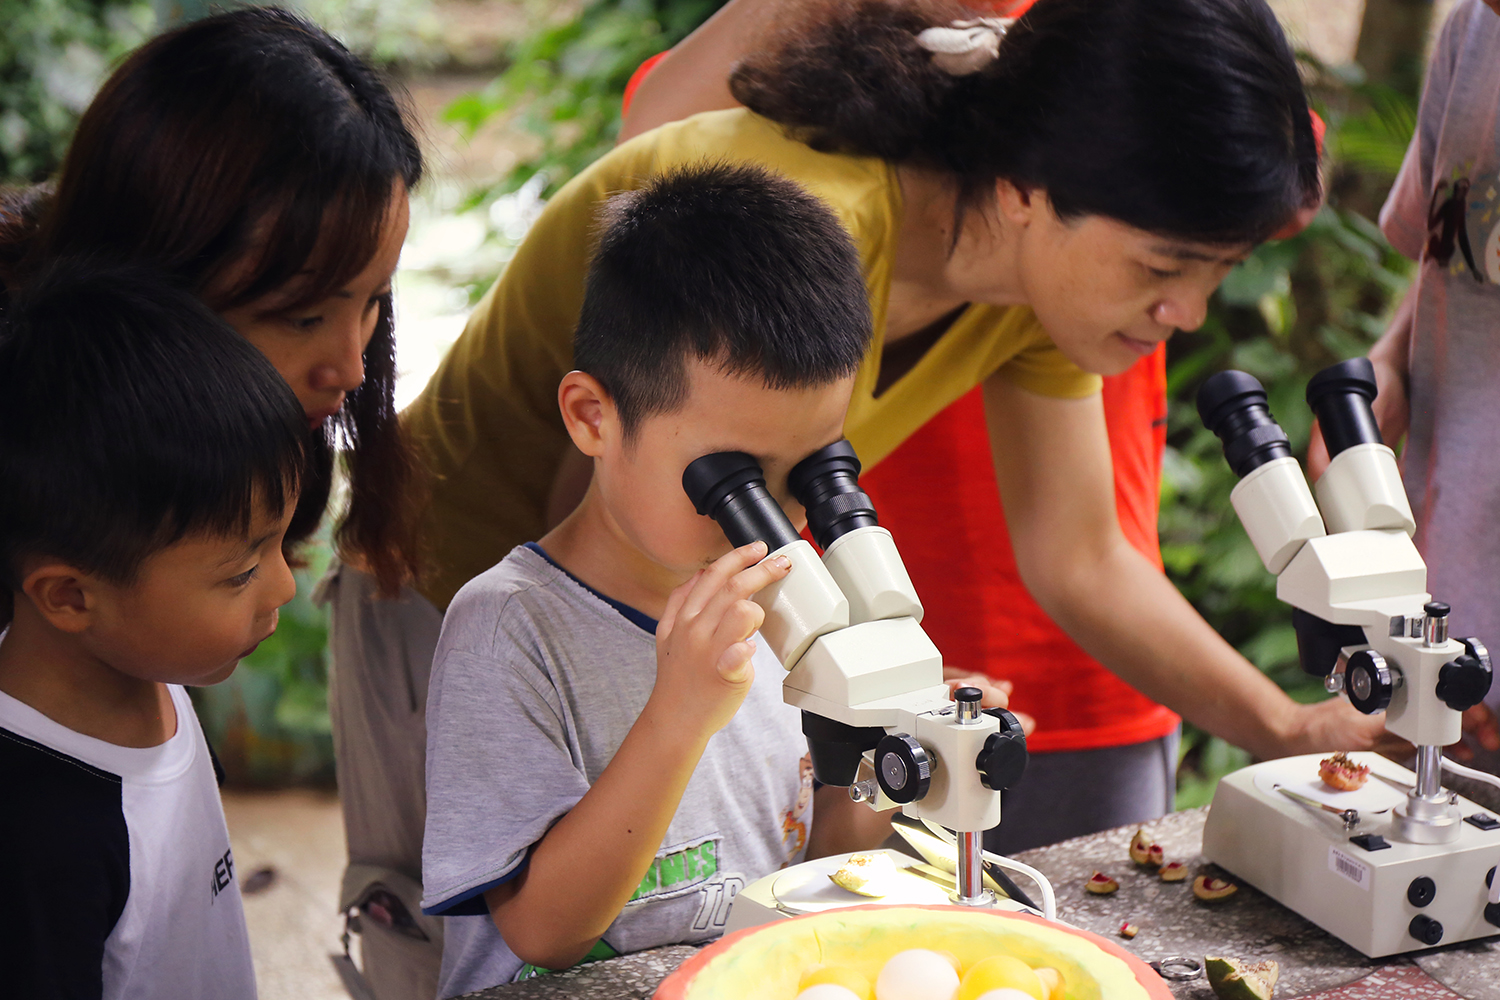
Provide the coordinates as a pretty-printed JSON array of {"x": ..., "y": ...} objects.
[{"x": 1292, "y": 308}]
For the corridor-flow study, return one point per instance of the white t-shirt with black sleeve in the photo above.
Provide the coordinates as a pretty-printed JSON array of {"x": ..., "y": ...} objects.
[{"x": 116, "y": 878}]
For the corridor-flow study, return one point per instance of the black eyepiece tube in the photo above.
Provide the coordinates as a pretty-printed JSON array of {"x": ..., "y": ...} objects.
[
  {"x": 1233, "y": 406},
  {"x": 826, "y": 483},
  {"x": 730, "y": 488},
  {"x": 1341, "y": 396}
]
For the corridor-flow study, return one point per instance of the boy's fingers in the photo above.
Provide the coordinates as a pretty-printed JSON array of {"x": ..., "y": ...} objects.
[
  {"x": 745, "y": 584},
  {"x": 674, "y": 605},
  {"x": 714, "y": 577},
  {"x": 734, "y": 664},
  {"x": 739, "y": 622}
]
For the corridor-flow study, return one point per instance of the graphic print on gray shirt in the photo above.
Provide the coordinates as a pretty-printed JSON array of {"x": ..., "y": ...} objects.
[
  {"x": 535, "y": 684},
  {"x": 1444, "y": 210}
]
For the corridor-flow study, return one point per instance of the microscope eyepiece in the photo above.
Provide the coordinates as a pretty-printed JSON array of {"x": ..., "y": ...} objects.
[
  {"x": 826, "y": 483},
  {"x": 1233, "y": 406},
  {"x": 730, "y": 487},
  {"x": 1341, "y": 396}
]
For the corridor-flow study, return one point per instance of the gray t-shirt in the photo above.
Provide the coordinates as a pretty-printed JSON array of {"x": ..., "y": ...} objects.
[
  {"x": 536, "y": 681},
  {"x": 1445, "y": 211}
]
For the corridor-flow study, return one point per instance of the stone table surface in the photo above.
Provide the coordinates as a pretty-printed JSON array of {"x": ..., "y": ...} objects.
[{"x": 1247, "y": 925}]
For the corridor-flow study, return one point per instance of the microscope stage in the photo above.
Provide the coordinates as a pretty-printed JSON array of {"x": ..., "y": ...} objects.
[{"x": 1364, "y": 885}]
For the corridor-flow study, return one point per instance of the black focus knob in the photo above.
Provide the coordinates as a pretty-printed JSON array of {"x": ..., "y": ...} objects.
[
  {"x": 1002, "y": 762},
  {"x": 902, "y": 767},
  {"x": 1422, "y": 891},
  {"x": 1463, "y": 682},
  {"x": 1425, "y": 929},
  {"x": 1492, "y": 913},
  {"x": 1368, "y": 681}
]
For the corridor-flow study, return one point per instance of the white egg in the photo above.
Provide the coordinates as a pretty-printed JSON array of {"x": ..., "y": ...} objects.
[
  {"x": 1005, "y": 994},
  {"x": 917, "y": 974},
  {"x": 827, "y": 991}
]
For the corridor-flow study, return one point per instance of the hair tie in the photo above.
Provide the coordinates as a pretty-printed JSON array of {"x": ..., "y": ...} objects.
[{"x": 965, "y": 47}]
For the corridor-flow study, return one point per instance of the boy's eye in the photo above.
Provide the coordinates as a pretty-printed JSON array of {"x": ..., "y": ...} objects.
[{"x": 244, "y": 578}]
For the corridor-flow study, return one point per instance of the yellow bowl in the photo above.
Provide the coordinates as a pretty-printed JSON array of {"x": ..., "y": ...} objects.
[{"x": 767, "y": 962}]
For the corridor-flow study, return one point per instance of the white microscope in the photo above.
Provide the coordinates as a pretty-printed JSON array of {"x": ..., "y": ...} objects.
[
  {"x": 1401, "y": 863},
  {"x": 869, "y": 682}
]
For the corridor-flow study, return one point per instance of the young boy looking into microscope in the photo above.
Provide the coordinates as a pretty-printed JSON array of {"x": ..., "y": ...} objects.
[
  {"x": 150, "y": 460},
  {"x": 609, "y": 758}
]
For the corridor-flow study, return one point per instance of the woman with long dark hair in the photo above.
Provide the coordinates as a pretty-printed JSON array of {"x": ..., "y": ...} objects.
[
  {"x": 1036, "y": 203},
  {"x": 257, "y": 162}
]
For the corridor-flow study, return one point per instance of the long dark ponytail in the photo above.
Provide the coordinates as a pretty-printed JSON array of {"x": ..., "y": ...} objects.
[
  {"x": 239, "y": 153},
  {"x": 1185, "y": 118}
]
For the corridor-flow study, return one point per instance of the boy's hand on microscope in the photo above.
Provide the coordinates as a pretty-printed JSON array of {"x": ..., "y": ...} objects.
[
  {"x": 703, "y": 644},
  {"x": 996, "y": 693}
]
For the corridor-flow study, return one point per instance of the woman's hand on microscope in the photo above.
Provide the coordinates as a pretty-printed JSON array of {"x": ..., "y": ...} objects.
[
  {"x": 996, "y": 693},
  {"x": 1334, "y": 724},
  {"x": 703, "y": 641},
  {"x": 1481, "y": 724}
]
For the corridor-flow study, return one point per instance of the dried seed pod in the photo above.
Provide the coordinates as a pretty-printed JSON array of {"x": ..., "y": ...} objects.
[
  {"x": 1101, "y": 884},
  {"x": 1128, "y": 930},
  {"x": 1156, "y": 856},
  {"x": 1173, "y": 871},
  {"x": 1140, "y": 847},
  {"x": 1211, "y": 889}
]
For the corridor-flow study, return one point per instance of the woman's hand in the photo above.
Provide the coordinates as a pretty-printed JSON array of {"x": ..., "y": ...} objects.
[
  {"x": 1480, "y": 723},
  {"x": 996, "y": 694}
]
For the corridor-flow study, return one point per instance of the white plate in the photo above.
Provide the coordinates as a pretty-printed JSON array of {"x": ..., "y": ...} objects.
[
  {"x": 806, "y": 888},
  {"x": 1299, "y": 774}
]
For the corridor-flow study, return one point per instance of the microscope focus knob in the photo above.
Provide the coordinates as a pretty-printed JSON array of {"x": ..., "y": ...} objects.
[
  {"x": 902, "y": 767},
  {"x": 1002, "y": 762},
  {"x": 1368, "y": 681},
  {"x": 1463, "y": 682},
  {"x": 1425, "y": 929}
]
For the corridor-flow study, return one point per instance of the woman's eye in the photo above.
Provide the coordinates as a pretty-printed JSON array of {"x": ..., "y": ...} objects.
[
  {"x": 1159, "y": 273},
  {"x": 304, "y": 322},
  {"x": 244, "y": 578}
]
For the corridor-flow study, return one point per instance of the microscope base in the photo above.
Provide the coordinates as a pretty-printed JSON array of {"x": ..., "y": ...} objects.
[
  {"x": 1308, "y": 861},
  {"x": 757, "y": 903}
]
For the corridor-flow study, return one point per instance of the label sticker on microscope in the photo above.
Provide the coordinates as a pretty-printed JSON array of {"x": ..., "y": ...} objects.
[{"x": 1349, "y": 867}]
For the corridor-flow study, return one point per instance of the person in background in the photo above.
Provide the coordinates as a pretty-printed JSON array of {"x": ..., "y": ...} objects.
[
  {"x": 256, "y": 161},
  {"x": 150, "y": 462},
  {"x": 1438, "y": 363}
]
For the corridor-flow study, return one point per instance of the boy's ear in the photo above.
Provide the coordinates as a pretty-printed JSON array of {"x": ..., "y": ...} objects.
[
  {"x": 63, "y": 595},
  {"x": 588, "y": 412}
]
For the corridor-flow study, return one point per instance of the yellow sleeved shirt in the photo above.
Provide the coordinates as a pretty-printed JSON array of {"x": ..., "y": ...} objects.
[{"x": 487, "y": 425}]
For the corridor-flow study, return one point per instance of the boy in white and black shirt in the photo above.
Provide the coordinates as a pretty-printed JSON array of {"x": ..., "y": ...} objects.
[{"x": 150, "y": 461}]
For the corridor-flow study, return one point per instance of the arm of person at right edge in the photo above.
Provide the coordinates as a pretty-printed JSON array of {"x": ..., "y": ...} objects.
[
  {"x": 1390, "y": 357},
  {"x": 1053, "y": 466},
  {"x": 583, "y": 871}
]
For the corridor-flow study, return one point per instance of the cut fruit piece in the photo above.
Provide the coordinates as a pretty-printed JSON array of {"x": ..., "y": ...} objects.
[
  {"x": 1211, "y": 889},
  {"x": 838, "y": 975},
  {"x": 1053, "y": 981},
  {"x": 867, "y": 874},
  {"x": 1101, "y": 884},
  {"x": 1140, "y": 847},
  {"x": 1173, "y": 871},
  {"x": 1233, "y": 979},
  {"x": 1342, "y": 773},
  {"x": 1129, "y": 930}
]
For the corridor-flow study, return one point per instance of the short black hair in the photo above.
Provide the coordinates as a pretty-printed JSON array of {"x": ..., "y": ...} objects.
[
  {"x": 732, "y": 265},
  {"x": 130, "y": 417}
]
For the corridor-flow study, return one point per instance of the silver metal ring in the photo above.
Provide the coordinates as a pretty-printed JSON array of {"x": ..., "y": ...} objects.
[{"x": 1178, "y": 968}]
